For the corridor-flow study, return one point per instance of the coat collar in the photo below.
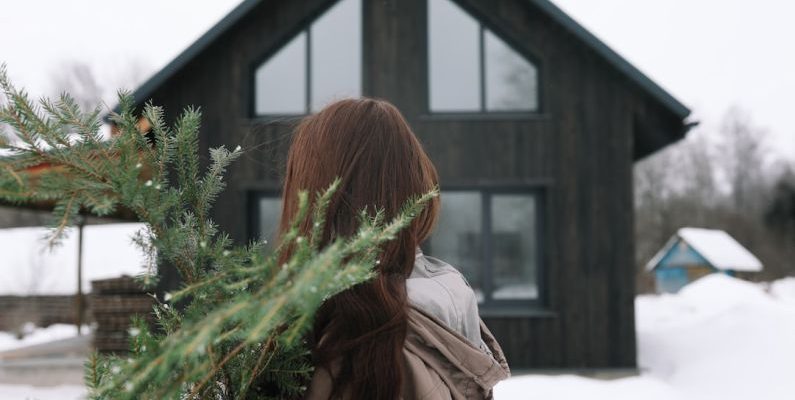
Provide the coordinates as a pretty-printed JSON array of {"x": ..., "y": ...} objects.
[{"x": 454, "y": 357}]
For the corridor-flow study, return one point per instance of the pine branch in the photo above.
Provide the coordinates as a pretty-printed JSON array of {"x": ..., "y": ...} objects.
[{"x": 240, "y": 333}]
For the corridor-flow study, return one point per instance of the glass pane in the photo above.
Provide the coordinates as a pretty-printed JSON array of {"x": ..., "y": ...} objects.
[
  {"x": 511, "y": 80},
  {"x": 454, "y": 56},
  {"x": 515, "y": 247},
  {"x": 336, "y": 47},
  {"x": 457, "y": 238},
  {"x": 270, "y": 210},
  {"x": 280, "y": 82}
]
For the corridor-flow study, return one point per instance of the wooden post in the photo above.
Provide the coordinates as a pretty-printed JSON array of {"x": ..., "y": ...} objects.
[{"x": 79, "y": 300}]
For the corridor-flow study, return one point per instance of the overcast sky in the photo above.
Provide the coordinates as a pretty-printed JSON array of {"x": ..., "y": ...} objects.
[{"x": 710, "y": 54}]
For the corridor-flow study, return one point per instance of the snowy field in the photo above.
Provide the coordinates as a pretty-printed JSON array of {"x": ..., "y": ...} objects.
[
  {"x": 35, "y": 336},
  {"x": 719, "y": 338},
  {"x": 25, "y": 392}
]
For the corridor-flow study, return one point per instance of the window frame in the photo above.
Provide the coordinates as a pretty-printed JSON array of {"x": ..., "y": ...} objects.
[
  {"x": 304, "y": 27},
  {"x": 490, "y": 306},
  {"x": 538, "y": 307},
  {"x": 483, "y": 112},
  {"x": 252, "y": 207}
]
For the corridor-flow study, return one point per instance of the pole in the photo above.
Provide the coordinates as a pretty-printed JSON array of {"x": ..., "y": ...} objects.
[{"x": 79, "y": 300}]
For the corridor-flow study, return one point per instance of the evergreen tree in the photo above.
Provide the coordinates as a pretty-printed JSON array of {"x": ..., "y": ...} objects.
[{"x": 239, "y": 330}]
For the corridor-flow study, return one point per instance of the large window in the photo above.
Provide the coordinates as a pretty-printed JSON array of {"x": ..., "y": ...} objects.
[
  {"x": 470, "y": 69},
  {"x": 269, "y": 210},
  {"x": 322, "y": 63},
  {"x": 493, "y": 238}
]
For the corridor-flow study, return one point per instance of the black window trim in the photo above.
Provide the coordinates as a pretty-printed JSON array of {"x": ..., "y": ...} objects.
[
  {"x": 538, "y": 307},
  {"x": 483, "y": 112},
  {"x": 304, "y": 27},
  {"x": 252, "y": 206},
  {"x": 489, "y": 306}
]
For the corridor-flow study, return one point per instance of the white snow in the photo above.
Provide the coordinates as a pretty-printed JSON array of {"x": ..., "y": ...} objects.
[
  {"x": 718, "y": 338},
  {"x": 720, "y": 249},
  {"x": 783, "y": 290},
  {"x": 533, "y": 387},
  {"x": 516, "y": 291},
  {"x": 34, "y": 335},
  {"x": 29, "y": 267},
  {"x": 25, "y": 392},
  {"x": 716, "y": 246}
]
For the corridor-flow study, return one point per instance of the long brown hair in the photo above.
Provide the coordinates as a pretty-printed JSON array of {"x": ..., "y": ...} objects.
[{"x": 359, "y": 333}]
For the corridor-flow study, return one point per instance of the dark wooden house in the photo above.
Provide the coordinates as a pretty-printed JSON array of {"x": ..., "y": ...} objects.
[{"x": 532, "y": 122}]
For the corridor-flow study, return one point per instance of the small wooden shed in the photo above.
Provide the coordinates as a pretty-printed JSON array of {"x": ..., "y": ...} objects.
[{"x": 695, "y": 252}]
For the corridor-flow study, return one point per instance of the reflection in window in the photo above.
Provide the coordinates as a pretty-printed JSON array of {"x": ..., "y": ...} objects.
[
  {"x": 297, "y": 80},
  {"x": 270, "y": 209},
  {"x": 471, "y": 69},
  {"x": 453, "y": 51},
  {"x": 285, "y": 74},
  {"x": 336, "y": 54},
  {"x": 511, "y": 81},
  {"x": 498, "y": 255},
  {"x": 458, "y": 235},
  {"x": 514, "y": 256}
]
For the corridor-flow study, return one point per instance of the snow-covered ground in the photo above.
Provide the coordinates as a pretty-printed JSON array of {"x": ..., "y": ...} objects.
[
  {"x": 26, "y": 392},
  {"x": 719, "y": 338},
  {"x": 29, "y": 267},
  {"x": 35, "y": 335}
]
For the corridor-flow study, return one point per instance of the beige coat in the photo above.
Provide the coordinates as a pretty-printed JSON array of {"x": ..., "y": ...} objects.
[
  {"x": 439, "y": 363},
  {"x": 449, "y": 353},
  {"x": 442, "y": 364}
]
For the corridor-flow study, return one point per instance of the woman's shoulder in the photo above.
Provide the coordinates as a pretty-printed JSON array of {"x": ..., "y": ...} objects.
[
  {"x": 431, "y": 271},
  {"x": 439, "y": 289}
]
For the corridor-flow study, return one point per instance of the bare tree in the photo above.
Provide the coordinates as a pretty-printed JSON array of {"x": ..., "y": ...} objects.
[
  {"x": 744, "y": 161},
  {"x": 81, "y": 81},
  {"x": 129, "y": 75},
  {"x": 716, "y": 179}
]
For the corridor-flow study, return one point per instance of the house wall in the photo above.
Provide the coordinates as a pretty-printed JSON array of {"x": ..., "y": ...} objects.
[{"x": 579, "y": 150}]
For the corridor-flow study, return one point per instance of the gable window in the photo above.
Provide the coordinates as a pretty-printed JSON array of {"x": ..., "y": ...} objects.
[
  {"x": 320, "y": 64},
  {"x": 493, "y": 238},
  {"x": 470, "y": 69}
]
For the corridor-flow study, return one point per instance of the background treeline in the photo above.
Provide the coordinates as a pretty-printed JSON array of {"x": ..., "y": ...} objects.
[{"x": 727, "y": 177}]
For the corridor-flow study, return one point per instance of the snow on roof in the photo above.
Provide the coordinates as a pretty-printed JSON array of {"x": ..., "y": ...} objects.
[
  {"x": 716, "y": 246},
  {"x": 720, "y": 249}
]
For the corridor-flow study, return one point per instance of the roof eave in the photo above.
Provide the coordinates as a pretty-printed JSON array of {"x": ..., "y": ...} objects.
[
  {"x": 145, "y": 91},
  {"x": 614, "y": 59}
]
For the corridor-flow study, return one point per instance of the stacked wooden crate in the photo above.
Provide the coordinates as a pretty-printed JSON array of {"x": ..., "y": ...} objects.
[
  {"x": 114, "y": 302},
  {"x": 42, "y": 311}
]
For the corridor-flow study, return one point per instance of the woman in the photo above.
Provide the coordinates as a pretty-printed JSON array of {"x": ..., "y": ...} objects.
[{"x": 413, "y": 331}]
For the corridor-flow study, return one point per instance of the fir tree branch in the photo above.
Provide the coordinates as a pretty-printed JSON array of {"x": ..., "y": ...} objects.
[{"x": 244, "y": 315}]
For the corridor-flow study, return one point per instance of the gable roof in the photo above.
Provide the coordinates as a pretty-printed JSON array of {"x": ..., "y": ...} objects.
[
  {"x": 144, "y": 92},
  {"x": 715, "y": 246},
  {"x": 613, "y": 58}
]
